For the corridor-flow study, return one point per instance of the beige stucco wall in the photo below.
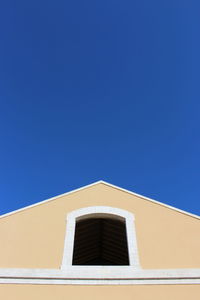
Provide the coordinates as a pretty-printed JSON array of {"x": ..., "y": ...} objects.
[
  {"x": 142, "y": 292},
  {"x": 34, "y": 238}
]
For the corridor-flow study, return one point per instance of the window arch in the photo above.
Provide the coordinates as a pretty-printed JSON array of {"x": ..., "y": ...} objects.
[{"x": 99, "y": 236}]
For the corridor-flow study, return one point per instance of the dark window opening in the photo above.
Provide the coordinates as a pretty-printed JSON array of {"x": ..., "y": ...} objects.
[{"x": 100, "y": 241}]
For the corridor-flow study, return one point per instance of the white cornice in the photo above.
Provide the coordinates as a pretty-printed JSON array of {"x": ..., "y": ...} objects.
[
  {"x": 108, "y": 184},
  {"x": 82, "y": 275}
]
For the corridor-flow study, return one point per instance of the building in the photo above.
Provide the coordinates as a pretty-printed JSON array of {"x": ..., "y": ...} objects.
[{"x": 99, "y": 242}]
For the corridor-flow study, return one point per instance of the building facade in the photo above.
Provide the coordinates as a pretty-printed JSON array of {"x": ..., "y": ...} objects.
[{"x": 99, "y": 241}]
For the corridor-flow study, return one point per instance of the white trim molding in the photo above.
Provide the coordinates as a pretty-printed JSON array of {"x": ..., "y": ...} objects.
[
  {"x": 104, "y": 275},
  {"x": 99, "y": 211},
  {"x": 108, "y": 184}
]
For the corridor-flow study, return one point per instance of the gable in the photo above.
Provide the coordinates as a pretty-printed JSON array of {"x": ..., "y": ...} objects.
[{"x": 34, "y": 237}]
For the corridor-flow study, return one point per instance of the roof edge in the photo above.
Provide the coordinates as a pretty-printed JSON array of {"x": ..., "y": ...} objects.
[
  {"x": 50, "y": 199},
  {"x": 152, "y": 200},
  {"x": 108, "y": 184}
]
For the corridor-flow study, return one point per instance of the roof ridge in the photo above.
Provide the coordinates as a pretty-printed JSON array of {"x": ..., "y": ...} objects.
[{"x": 108, "y": 184}]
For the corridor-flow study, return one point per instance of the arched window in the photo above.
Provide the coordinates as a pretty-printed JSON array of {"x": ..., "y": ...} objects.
[
  {"x": 100, "y": 240},
  {"x": 100, "y": 236}
]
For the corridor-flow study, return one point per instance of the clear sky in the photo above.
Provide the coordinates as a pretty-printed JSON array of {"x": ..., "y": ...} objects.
[{"x": 94, "y": 90}]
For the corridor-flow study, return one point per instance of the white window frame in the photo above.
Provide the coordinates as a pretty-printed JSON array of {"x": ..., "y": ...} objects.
[{"x": 99, "y": 211}]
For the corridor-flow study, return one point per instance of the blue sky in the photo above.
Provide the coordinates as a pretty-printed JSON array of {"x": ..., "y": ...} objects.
[{"x": 94, "y": 90}]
